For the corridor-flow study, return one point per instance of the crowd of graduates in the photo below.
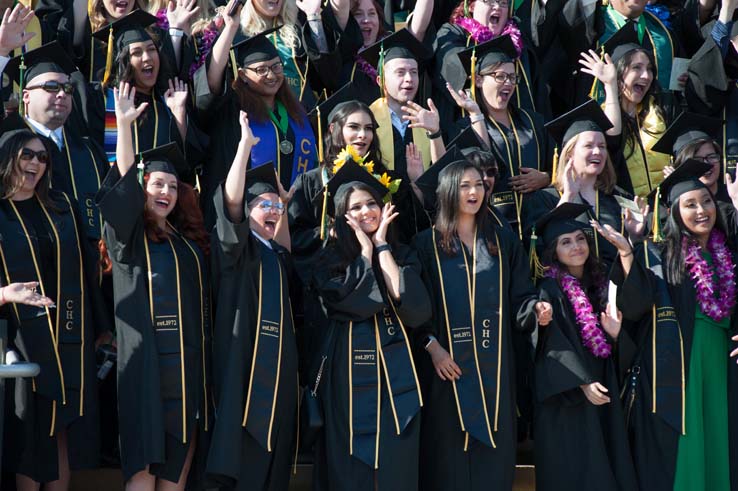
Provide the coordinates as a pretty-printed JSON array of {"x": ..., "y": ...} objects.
[{"x": 394, "y": 238}]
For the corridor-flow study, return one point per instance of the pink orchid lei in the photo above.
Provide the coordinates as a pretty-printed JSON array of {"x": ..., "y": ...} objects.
[
  {"x": 593, "y": 338},
  {"x": 481, "y": 33},
  {"x": 715, "y": 300}
]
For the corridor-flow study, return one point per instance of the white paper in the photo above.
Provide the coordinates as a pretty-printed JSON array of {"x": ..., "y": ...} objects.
[
  {"x": 612, "y": 295},
  {"x": 678, "y": 67}
]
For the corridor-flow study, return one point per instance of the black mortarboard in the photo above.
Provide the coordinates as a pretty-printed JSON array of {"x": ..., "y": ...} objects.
[
  {"x": 708, "y": 77},
  {"x": 622, "y": 42},
  {"x": 400, "y": 44},
  {"x": 687, "y": 128},
  {"x": 50, "y": 57},
  {"x": 348, "y": 173},
  {"x": 428, "y": 181},
  {"x": 123, "y": 32},
  {"x": 498, "y": 50},
  {"x": 260, "y": 180},
  {"x": 256, "y": 48},
  {"x": 327, "y": 109},
  {"x": 586, "y": 117},
  {"x": 165, "y": 158},
  {"x": 685, "y": 178},
  {"x": 560, "y": 220},
  {"x": 467, "y": 140}
]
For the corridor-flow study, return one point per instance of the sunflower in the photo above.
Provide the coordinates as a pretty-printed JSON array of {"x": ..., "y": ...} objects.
[
  {"x": 369, "y": 166},
  {"x": 348, "y": 153},
  {"x": 385, "y": 180}
]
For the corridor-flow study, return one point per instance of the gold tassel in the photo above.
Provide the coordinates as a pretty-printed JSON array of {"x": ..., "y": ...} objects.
[
  {"x": 320, "y": 136},
  {"x": 109, "y": 58},
  {"x": 536, "y": 268},
  {"x": 466, "y": 8},
  {"x": 21, "y": 82},
  {"x": 555, "y": 168},
  {"x": 474, "y": 74},
  {"x": 324, "y": 214},
  {"x": 234, "y": 65},
  {"x": 657, "y": 237},
  {"x": 381, "y": 70},
  {"x": 593, "y": 89}
]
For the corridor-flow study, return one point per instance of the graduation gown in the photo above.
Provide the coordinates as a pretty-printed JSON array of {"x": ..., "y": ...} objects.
[
  {"x": 46, "y": 244},
  {"x": 445, "y": 464},
  {"x": 578, "y": 445},
  {"x": 237, "y": 458},
  {"x": 655, "y": 426},
  {"x": 163, "y": 334},
  {"x": 354, "y": 297}
]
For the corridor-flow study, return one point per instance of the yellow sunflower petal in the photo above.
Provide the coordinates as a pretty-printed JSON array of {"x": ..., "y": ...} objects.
[
  {"x": 369, "y": 166},
  {"x": 385, "y": 180}
]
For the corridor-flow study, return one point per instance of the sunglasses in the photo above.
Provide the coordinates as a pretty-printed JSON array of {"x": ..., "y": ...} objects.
[
  {"x": 491, "y": 172},
  {"x": 268, "y": 205},
  {"x": 53, "y": 87},
  {"x": 27, "y": 154}
]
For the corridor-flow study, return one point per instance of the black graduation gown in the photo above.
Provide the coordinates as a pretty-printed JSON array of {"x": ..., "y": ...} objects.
[
  {"x": 353, "y": 295},
  {"x": 237, "y": 459},
  {"x": 64, "y": 395},
  {"x": 444, "y": 463},
  {"x": 152, "y": 419},
  {"x": 654, "y": 442},
  {"x": 578, "y": 445}
]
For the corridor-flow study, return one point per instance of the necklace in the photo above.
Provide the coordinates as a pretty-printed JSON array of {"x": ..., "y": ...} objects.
[{"x": 281, "y": 121}]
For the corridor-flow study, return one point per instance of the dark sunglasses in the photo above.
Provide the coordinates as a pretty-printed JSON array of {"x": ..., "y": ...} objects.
[
  {"x": 41, "y": 155},
  {"x": 54, "y": 87},
  {"x": 490, "y": 172}
]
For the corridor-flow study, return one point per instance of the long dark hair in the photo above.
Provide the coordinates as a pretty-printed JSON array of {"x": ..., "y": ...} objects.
[
  {"x": 123, "y": 71},
  {"x": 333, "y": 139},
  {"x": 250, "y": 102},
  {"x": 10, "y": 162},
  {"x": 447, "y": 208},
  {"x": 593, "y": 279}
]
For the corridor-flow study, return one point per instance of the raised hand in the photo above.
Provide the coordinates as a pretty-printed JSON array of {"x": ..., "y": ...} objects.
[
  {"x": 668, "y": 169},
  {"x": 611, "y": 324},
  {"x": 13, "y": 28},
  {"x": 602, "y": 70},
  {"x": 367, "y": 248},
  {"x": 176, "y": 95},
  {"x": 596, "y": 393},
  {"x": 126, "y": 111},
  {"x": 732, "y": 187},
  {"x": 310, "y": 7},
  {"x": 284, "y": 196},
  {"x": 446, "y": 367},
  {"x": 414, "y": 162},
  {"x": 614, "y": 237},
  {"x": 464, "y": 100},
  {"x": 419, "y": 117},
  {"x": 24, "y": 293},
  {"x": 529, "y": 180},
  {"x": 544, "y": 313},
  {"x": 181, "y": 14},
  {"x": 633, "y": 226},
  {"x": 247, "y": 136},
  {"x": 570, "y": 182},
  {"x": 388, "y": 216}
]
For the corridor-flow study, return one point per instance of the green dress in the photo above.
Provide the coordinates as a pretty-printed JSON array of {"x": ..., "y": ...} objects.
[{"x": 703, "y": 457}]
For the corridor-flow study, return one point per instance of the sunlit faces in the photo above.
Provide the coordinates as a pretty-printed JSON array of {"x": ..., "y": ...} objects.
[
  {"x": 264, "y": 85},
  {"x": 471, "y": 192},
  {"x": 710, "y": 154},
  {"x": 31, "y": 166},
  {"x": 698, "y": 212},
  {"x": 492, "y": 13},
  {"x": 145, "y": 62},
  {"x": 365, "y": 209},
  {"x": 637, "y": 78},
  {"x": 161, "y": 193},
  {"x": 115, "y": 9},
  {"x": 497, "y": 94},
  {"x": 51, "y": 109},
  {"x": 264, "y": 213},
  {"x": 589, "y": 154},
  {"x": 632, "y": 9},
  {"x": 572, "y": 250},
  {"x": 367, "y": 17},
  {"x": 401, "y": 79},
  {"x": 358, "y": 132},
  {"x": 268, "y": 8}
]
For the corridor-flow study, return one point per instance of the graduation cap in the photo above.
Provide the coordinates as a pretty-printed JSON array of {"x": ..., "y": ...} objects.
[
  {"x": 687, "y": 128},
  {"x": 50, "y": 57},
  {"x": 400, "y": 44},
  {"x": 428, "y": 181},
  {"x": 129, "y": 29},
  {"x": 323, "y": 113},
  {"x": 586, "y": 117},
  {"x": 467, "y": 141},
  {"x": 623, "y": 41},
  {"x": 256, "y": 48},
  {"x": 260, "y": 180},
  {"x": 685, "y": 178},
  {"x": 164, "y": 158},
  {"x": 561, "y": 220},
  {"x": 348, "y": 173},
  {"x": 475, "y": 59}
]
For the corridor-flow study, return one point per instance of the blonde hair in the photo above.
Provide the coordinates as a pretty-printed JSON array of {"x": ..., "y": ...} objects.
[
  {"x": 206, "y": 11},
  {"x": 252, "y": 23},
  {"x": 604, "y": 182}
]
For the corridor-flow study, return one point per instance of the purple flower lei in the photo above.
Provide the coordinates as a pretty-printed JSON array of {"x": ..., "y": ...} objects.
[
  {"x": 161, "y": 19},
  {"x": 481, "y": 33},
  {"x": 715, "y": 300},
  {"x": 204, "y": 41},
  {"x": 593, "y": 338}
]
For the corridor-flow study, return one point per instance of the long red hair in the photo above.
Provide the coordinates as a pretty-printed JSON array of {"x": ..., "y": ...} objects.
[
  {"x": 186, "y": 217},
  {"x": 458, "y": 12}
]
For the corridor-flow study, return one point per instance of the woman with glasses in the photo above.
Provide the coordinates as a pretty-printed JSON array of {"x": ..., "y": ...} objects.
[
  {"x": 53, "y": 425},
  {"x": 258, "y": 85},
  {"x": 255, "y": 354},
  {"x": 515, "y": 134}
]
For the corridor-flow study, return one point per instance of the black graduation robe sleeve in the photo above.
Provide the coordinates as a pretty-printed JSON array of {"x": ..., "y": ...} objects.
[
  {"x": 635, "y": 291},
  {"x": 324, "y": 66},
  {"x": 522, "y": 293},
  {"x": 352, "y": 296},
  {"x": 234, "y": 237},
  {"x": 413, "y": 308}
]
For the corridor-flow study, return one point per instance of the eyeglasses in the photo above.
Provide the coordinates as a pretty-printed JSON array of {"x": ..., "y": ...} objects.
[
  {"x": 502, "y": 3},
  {"x": 713, "y": 158},
  {"x": 272, "y": 206},
  {"x": 502, "y": 77},
  {"x": 491, "y": 172},
  {"x": 263, "y": 71},
  {"x": 27, "y": 154},
  {"x": 52, "y": 86}
]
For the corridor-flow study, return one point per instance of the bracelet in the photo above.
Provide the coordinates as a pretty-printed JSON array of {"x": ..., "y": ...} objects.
[
  {"x": 176, "y": 32},
  {"x": 382, "y": 248},
  {"x": 429, "y": 340},
  {"x": 477, "y": 118},
  {"x": 433, "y": 136},
  {"x": 313, "y": 17}
]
